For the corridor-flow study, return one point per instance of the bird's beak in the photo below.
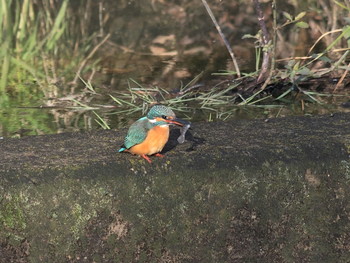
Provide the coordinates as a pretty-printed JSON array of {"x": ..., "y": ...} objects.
[{"x": 178, "y": 122}]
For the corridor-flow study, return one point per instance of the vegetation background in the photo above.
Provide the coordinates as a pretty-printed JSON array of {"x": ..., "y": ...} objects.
[{"x": 72, "y": 65}]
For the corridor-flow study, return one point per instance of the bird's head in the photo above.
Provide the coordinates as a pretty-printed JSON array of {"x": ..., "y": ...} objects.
[{"x": 163, "y": 115}]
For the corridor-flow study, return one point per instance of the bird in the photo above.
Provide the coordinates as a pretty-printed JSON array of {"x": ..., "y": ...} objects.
[{"x": 149, "y": 134}]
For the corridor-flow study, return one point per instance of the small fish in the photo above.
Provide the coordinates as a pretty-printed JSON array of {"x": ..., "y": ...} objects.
[{"x": 183, "y": 131}]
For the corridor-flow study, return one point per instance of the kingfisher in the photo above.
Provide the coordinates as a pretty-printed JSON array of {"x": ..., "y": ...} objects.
[{"x": 148, "y": 135}]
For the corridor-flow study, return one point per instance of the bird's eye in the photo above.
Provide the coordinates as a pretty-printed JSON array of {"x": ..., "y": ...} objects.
[{"x": 164, "y": 117}]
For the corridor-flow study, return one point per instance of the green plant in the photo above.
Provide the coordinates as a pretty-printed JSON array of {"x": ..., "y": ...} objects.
[{"x": 23, "y": 40}]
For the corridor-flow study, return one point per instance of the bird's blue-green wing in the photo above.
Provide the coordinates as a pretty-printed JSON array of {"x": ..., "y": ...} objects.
[{"x": 137, "y": 133}]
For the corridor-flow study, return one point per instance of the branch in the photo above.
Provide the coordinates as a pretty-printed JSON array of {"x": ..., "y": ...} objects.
[
  {"x": 264, "y": 40},
  {"x": 222, "y": 37}
]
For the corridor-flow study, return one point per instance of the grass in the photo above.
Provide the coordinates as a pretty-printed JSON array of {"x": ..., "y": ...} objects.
[
  {"x": 23, "y": 40},
  {"x": 220, "y": 103}
]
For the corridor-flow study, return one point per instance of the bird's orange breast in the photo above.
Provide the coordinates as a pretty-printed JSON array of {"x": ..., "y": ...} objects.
[{"x": 156, "y": 138}]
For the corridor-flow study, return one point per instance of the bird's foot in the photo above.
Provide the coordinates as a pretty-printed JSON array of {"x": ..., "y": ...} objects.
[
  {"x": 144, "y": 156},
  {"x": 159, "y": 155}
]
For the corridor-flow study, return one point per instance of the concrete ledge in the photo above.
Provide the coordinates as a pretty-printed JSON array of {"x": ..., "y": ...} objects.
[{"x": 267, "y": 191}]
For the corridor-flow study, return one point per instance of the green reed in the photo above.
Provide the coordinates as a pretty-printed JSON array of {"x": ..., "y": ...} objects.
[{"x": 24, "y": 40}]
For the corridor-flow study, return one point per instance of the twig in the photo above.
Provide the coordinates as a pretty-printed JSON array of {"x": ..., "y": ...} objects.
[
  {"x": 323, "y": 35},
  {"x": 100, "y": 17},
  {"x": 342, "y": 78},
  {"x": 264, "y": 41},
  {"x": 229, "y": 49},
  {"x": 274, "y": 37},
  {"x": 274, "y": 44},
  {"x": 310, "y": 57},
  {"x": 82, "y": 64}
]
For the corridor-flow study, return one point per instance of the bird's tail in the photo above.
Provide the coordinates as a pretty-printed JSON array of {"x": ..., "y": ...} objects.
[{"x": 122, "y": 149}]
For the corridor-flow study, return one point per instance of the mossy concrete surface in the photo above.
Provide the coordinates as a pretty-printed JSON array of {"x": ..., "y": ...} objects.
[{"x": 241, "y": 191}]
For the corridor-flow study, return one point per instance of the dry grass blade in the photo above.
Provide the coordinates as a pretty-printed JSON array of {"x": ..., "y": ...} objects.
[{"x": 101, "y": 122}]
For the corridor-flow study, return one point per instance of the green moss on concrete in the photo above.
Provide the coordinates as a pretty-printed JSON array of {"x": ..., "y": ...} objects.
[
  {"x": 11, "y": 214},
  {"x": 273, "y": 212}
]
